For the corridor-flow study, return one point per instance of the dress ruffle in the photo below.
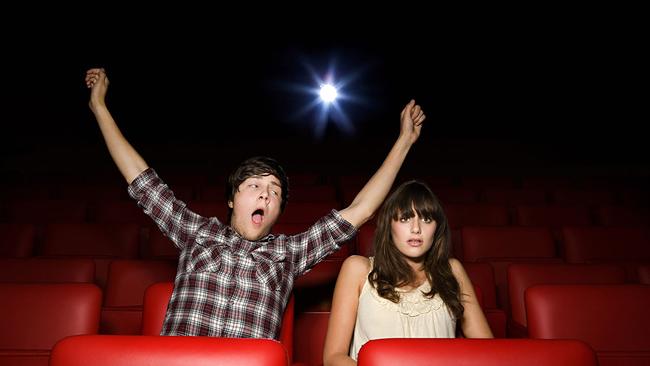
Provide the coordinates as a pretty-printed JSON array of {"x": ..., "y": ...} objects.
[{"x": 412, "y": 303}]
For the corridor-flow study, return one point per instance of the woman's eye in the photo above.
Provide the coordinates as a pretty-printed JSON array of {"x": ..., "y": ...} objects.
[
  {"x": 403, "y": 219},
  {"x": 426, "y": 220}
]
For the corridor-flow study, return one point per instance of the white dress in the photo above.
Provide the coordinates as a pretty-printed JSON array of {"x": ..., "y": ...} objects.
[{"x": 415, "y": 316}]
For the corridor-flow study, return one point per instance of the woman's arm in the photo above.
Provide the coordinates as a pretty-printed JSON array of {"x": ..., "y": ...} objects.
[
  {"x": 473, "y": 323},
  {"x": 343, "y": 315}
]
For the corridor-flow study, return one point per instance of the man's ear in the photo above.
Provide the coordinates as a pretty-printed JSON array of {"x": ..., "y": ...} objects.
[{"x": 230, "y": 204}]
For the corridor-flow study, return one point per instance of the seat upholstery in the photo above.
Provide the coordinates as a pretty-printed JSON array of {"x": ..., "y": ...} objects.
[
  {"x": 123, "y": 350},
  {"x": 469, "y": 352},
  {"x": 612, "y": 319}
]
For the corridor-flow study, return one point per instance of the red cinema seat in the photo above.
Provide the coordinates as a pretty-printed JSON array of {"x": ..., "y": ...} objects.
[
  {"x": 461, "y": 215},
  {"x": 482, "y": 277},
  {"x": 325, "y": 272},
  {"x": 365, "y": 237},
  {"x": 623, "y": 216},
  {"x": 644, "y": 274},
  {"x": 118, "y": 212},
  {"x": 523, "y": 276},
  {"x": 306, "y": 212},
  {"x": 101, "y": 242},
  {"x": 114, "y": 350},
  {"x": 33, "y": 317},
  {"x": 612, "y": 319},
  {"x": 625, "y": 246},
  {"x": 124, "y": 294},
  {"x": 475, "y": 352},
  {"x": 47, "y": 270},
  {"x": 309, "y": 337},
  {"x": 552, "y": 216},
  {"x": 17, "y": 240},
  {"x": 501, "y": 246},
  {"x": 46, "y": 211}
]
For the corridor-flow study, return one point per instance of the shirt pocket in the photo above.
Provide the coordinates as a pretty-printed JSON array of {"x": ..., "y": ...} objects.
[
  {"x": 204, "y": 258},
  {"x": 269, "y": 269}
]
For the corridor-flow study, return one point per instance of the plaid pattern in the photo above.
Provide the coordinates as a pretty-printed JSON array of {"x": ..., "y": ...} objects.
[{"x": 227, "y": 286}]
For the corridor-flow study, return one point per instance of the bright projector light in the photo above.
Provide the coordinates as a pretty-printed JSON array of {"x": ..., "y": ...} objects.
[{"x": 328, "y": 93}]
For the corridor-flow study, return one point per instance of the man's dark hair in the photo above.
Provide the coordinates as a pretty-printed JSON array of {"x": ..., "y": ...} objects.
[{"x": 259, "y": 165}]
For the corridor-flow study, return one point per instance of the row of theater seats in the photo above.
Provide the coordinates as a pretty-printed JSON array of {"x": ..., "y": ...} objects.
[
  {"x": 459, "y": 214},
  {"x": 34, "y": 316},
  {"x": 202, "y": 351},
  {"x": 122, "y": 303},
  {"x": 610, "y": 319},
  {"x": 627, "y": 246},
  {"x": 35, "y": 223},
  {"x": 497, "y": 246}
]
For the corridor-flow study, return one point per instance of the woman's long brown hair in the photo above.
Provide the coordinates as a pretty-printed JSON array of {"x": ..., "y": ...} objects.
[{"x": 390, "y": 269}]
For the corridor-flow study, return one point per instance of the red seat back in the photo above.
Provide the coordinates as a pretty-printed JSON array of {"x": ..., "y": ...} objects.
[
  {"x": 111, "y": 350},
  {"x": 623, "y": 216},
  {"x": 596, "y": 244},
  {"x": 17, "y": 240},
  {"x": 626, "y": 246},
  {"x": 47, "y": 270},
  {"x": 309, "y": 337},
  {"x": 365, "y": 237},
  {"x": 46, "y": 211},
  {"x": 124, "y": 294},
  {"x": 306, "y": 212},
  {"x": 459, "y": 215},
  {"x": 644, "y": 274},
  {"x": 502, "y": 246},
  {"x": 469, "y": 352},
  {"x": 523, "y": 276},
  {"x": 33, "y": 317},
  {"x": 552, "y": 216},
  {"x": 102, "y": 242},
  {"x": 612, "y": 319}
]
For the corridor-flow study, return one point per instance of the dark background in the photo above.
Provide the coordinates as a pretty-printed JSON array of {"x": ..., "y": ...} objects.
[{"x": 537, "y": 93}]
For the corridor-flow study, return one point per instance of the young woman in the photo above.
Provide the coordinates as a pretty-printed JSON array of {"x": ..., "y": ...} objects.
[{"x": 411, "y": 288}]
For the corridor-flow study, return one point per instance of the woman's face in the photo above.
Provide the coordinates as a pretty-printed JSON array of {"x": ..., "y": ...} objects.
[{"x": 413, "y": 236}]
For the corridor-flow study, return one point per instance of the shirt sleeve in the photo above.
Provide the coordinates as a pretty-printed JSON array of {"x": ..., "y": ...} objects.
[
  {"x": 320, "y": 240},
  {"x": 171, "y": 215}
]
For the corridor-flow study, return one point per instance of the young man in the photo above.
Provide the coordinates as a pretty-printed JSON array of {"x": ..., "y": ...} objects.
[{"x": 235, "y": 280}]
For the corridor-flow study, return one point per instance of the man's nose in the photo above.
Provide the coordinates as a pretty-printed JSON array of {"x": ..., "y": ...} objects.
[{"x": 264, "y": 194}]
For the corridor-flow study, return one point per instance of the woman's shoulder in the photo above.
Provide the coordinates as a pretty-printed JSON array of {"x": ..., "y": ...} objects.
[
  {"x": 357, "y": 263},
  {"x": 458, "y": 270},
  {"x": 455, "y": 264}
]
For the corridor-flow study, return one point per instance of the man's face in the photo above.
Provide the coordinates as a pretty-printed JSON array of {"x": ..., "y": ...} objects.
[{"x": 256, "y": 206}]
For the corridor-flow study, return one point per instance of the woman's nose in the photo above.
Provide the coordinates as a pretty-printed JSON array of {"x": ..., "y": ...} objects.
[{"x": 415, "y": 227}]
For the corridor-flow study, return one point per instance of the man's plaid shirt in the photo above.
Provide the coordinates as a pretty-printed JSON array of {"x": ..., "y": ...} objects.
[{"x": 227, "y": 286}]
